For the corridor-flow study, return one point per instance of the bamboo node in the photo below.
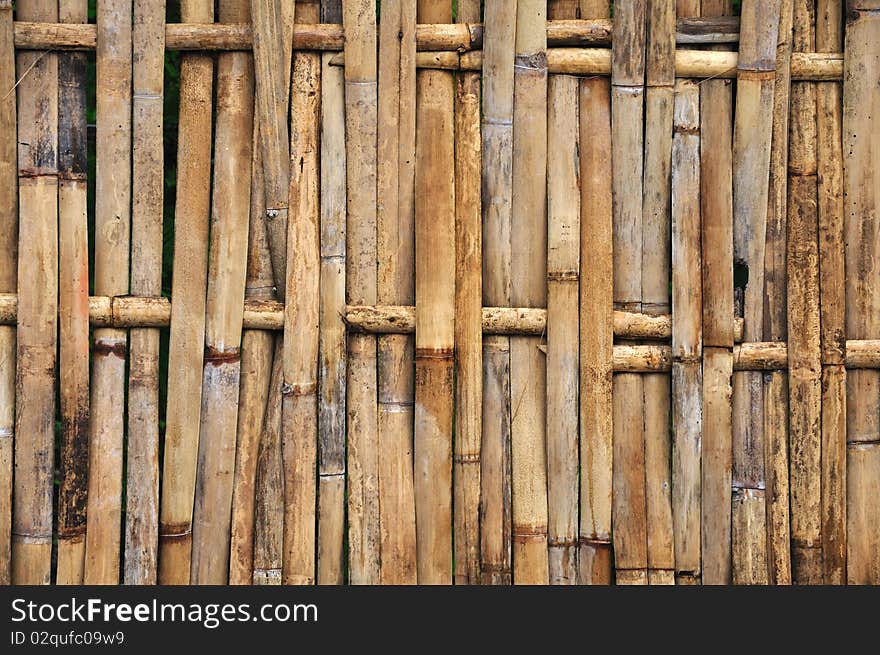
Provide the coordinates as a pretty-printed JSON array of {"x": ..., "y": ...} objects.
[
  {"x": 300, "y": 389},
  {"x": 106, "y": 347},
  {"x": 536, "y": 62},
  {"x": 219, "y": 356},
  {"x": 435, "y": 353}
]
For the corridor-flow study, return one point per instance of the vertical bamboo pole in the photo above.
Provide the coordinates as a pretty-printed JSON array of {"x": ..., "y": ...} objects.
[
  {"x": 497, "y": 183},
  {"x": 186, "y": 345},
  {"x": 396, "y": 245},
  {"x": 142, "y": 460},
  {"x": 8, "y": 284},
  {"x": 359, "y": 20},
  {"x": 832, "y": 286},
  {"x": 596, "y": 322},
  {"x": 751, "y": 168},
  {"x": 687, "y": 332},
  {"x": 861, "y": 147},
  {"x": 302, "y": 307},
  {"x": 627, "y": 111},
  {"x": 468, "y": 318},
  {"x": 227, "y": 266},
  {"x": 563, "y": 267},
  {"x": 112, "y": 235},
  {"x": 331, "y": 353},
  {"x": 73, "y": 304},
  {"x": 37, "y": 306},
  {"x": 435, "y": 311}
]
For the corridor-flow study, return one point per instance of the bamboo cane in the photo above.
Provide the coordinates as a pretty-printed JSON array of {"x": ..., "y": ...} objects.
[
  {"x": 186, "y": 344},
  {"x": 861, "y": 101},
  {"x": 497, "y": 183},
  {"x": 142, "y": 457},
  {"x": 396, "y": 136},
  {"x": 359, "y": 20},
  {"x": 8, "y": 282}
]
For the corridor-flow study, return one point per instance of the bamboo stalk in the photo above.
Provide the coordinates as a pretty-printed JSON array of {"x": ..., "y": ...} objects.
[
  {"x": 596, "y": 324},
  {"x": 861, "y": 101},
  {"x": 497, "y": 182},
  {"x": 142, "y": 457},
  {"x": 186, "y": 344},
  {"x": 468, "y": 319},
  {"x": 359, "y": 20},
  {"x": 396, "y": 244}
]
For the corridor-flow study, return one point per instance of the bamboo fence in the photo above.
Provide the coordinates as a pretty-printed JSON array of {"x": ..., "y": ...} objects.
[{"x": 513, "y": 292}]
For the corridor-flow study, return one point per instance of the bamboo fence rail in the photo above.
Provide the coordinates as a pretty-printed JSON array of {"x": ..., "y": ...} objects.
[{"x": 514, "y": 292}]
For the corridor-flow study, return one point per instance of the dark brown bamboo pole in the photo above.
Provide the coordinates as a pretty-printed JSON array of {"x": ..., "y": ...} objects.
[
  {"x": 142, "y": 456},
  {"x": 497, "y": 184},
  {"x": 396, "y": 246},
  {"x": 468, "y": 318},
  {"x": 189, "y": 279}
]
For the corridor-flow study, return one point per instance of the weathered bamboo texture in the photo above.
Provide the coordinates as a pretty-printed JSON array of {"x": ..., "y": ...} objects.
[
  {"x": 396, "y": 134},
  {"x": 73, "y": 304},
  {"x": 832, "y": 286},
  {"x": 716, "y": 203},
  {"x": 861, "y": 162},
  {"x": 528, "y": 235},
  {"x": 142, "y": 456},
  {"x": 8, "y": 264},
  {"x": 189, "y": 278},
  {"x": 359, "y": 20},
  {"x": 563, "y": 268},
  {"x": 112, "y": 236},
  {"x": 227, "y": 264},
  {"x": 497, "y": 185},
  {"x": 627, "y": 142},
  {"x": 751, "y": 170},
  {"x": 299, "y": 422}
]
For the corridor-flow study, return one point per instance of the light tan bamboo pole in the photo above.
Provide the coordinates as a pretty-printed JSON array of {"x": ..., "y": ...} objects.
[
  {"x": 832, "y": 283},
  {"x": 497, "y": 183},
  {"x": 468, "y": 319},
  {"x": 227, "y": 265},
  {"x": 861, "y": 102},
  {"x": 596, "y": 323},
  {"x": 299, "y": 423},
  {"x": 396, "y": 246},
  {"x": 359, "y": 20},
  {"x": 716, "y": 201},
  {"x": 775, "y": 384},
  {"x": 73, "y": 305},
  {"x": 528, "y": 236},
  {"x": 147, "y": 187},
  {"x": 8, "y": 281},
  {"x": 687, "y": 333},
  {"x": 435, "y": 311},
  {"x": 112, "y": 236},
  {"x": 186, "y": 344},
  {"x": 627, "y": 111},
  {"x": 751, "y": 166}
]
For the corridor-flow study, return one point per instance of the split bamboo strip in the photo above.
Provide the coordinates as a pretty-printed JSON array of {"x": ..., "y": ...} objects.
[
  {"x": 396, "y": 247},
  {"x": 627, "y": 113},
  {"x": 38, "y": 306},
  {"x": 861, "y": 102},
  {"x": 468, "y": 319},
  {"x": 497, "y": 184},
  {"x": 528, "y": 235},
  {"x": 299, "y": 423},
  {"x": 563, "y": 268},
  {"x": 596, "y": 323},
  {"x": 359, "y": 19},
  {"x": 186, "y": 344},
  {"x": 142, "y": 457},
  {"x": 73, "y": 305},
  {"x": 227, "y": 266},
  {"x": 112, "y": 237},
  {"x": 687, "y": 332},
  {"x": 832, "y": 282},
  {"x": 8, "y": 283}
]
